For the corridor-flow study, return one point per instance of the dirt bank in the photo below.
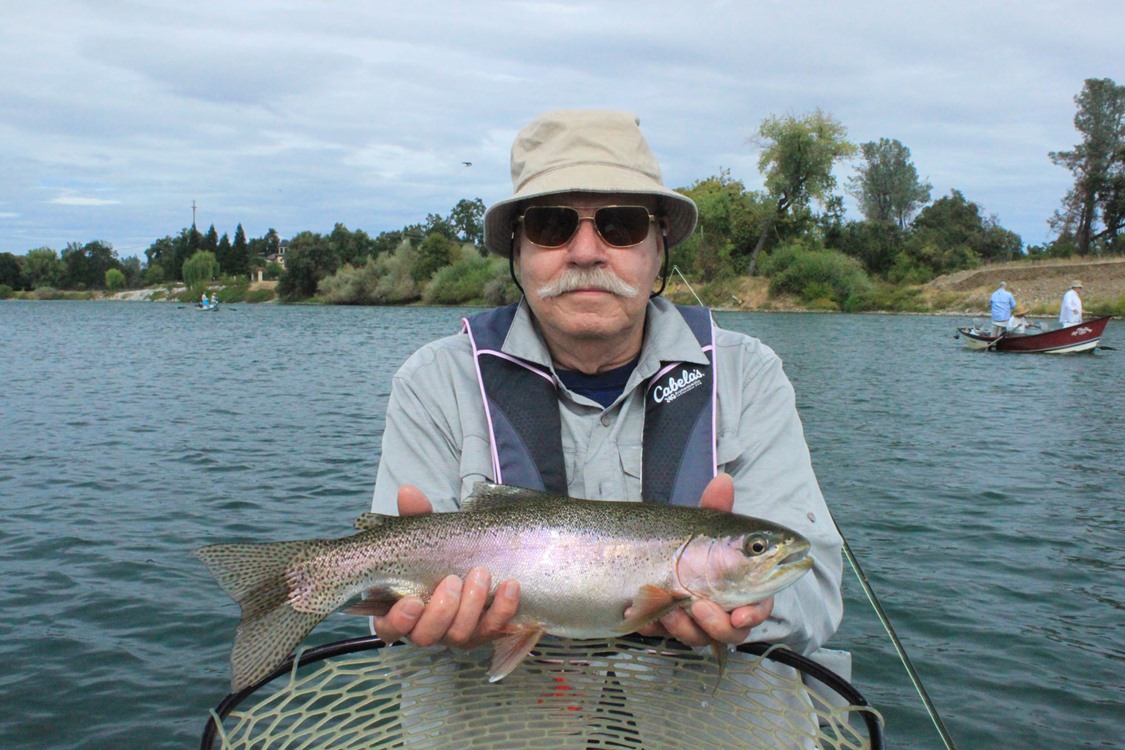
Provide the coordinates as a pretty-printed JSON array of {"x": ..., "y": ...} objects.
[{"x": 1040, "y": 284}]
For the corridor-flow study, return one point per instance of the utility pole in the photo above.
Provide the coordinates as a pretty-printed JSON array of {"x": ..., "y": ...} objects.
[{"x": 193, "y": 215}]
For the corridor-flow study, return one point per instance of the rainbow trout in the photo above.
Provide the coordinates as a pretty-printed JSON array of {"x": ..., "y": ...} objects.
[{"x": 579, "y": 563}]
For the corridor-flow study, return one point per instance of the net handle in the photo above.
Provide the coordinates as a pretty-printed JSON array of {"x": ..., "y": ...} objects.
[{"x": 771, "y": 651}]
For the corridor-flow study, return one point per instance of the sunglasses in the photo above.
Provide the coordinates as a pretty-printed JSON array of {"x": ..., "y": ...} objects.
[{"x": 552, "y": 227}]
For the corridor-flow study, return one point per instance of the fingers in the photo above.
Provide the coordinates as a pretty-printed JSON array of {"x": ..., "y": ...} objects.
[
  {"x": 495, "y": 619},
  {"x": 705, "y": 622},
  {"x": 719, "y": 493},
  {"x": 474, "y": 595},
  {"x": 399, "y": 620},
  {"x": 439, "y": 614},
  {"x": 412, "y": 502},
  {"x": 456, "y": 614}
]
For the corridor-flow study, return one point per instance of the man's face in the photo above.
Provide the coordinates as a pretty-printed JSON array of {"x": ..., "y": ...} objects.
[{"x": 588, "y": 311}]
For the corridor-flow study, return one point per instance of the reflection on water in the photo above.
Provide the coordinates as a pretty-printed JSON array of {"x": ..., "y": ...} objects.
[{"x": 981, "y": 492}]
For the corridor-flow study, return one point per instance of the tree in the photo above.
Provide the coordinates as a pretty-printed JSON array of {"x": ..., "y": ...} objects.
[
  {"x": 131, "y": 267},
  {"x": 11, "y": 271},
  {"x": 210, "y": 241},
  {"x": 433, "y": 254},
  {"x": 309, "y": 259},
  {"x": 876, "y": 244},
  {"x": 1098, "y": 166},
  {"x": 729, "y": 217},
  {"x": 797, "y": 159},
  {"x": 467, "y": 219},
  {"x": 239, "y": 252},
  {"x": 84, "y": 266},
  {"x": 887, "y": 186},
  {"x": 200, "y": 268},
  {"x": 41, "y": 268},
  {"x": 352, "y": 248},
  {"x": 224, "y": 253}
]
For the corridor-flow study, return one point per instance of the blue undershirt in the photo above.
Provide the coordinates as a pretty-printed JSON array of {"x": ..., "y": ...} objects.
[{"x": 604, "y": 387}]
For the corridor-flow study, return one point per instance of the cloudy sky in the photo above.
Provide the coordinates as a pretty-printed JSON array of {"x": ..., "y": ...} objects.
[{"x": 116, "y": 116}]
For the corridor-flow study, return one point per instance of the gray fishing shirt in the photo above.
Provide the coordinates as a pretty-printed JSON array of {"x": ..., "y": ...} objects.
[{"x": 436, "y": 438}]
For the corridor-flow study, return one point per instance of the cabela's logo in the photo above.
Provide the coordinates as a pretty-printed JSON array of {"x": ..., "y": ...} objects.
[{"x": 677, "y": 386}]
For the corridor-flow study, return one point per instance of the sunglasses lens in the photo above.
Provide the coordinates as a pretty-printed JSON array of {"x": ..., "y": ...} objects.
[
  {"x": 554, "y": 226},
  {"x": 622, "y": 226},
  {"x": 550, "y": 226}
]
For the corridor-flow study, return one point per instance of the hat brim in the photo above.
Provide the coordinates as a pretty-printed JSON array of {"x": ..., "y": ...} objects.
[{"x": 603, "y": 179}]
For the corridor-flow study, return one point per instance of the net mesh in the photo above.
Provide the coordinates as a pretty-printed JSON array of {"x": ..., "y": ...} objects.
[{"x": 568, "y": 694}]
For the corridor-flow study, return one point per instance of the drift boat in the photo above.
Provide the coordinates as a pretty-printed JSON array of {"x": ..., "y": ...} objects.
[{"x": 1083, "y": 337}]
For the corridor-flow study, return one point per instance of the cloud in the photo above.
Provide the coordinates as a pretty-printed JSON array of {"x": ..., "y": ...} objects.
[
  {"x": 75, "y": 200},
  {"x": 302, "y": 114}
]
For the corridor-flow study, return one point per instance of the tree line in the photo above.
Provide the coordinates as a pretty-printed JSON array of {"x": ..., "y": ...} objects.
[{"x": 793, "y": 231}]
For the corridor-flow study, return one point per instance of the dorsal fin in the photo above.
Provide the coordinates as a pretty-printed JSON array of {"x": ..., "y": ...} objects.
[
  {"x": 488, "y": 495},
  {"x": 369, "y": 521}
]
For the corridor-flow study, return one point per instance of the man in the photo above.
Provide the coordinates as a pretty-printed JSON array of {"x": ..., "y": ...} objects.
[
  {"x": 1018, "y": 322},
  {"x": 1002, "y": 303},
  {"x": 574, "y": 373},
  {"x": 1070, "y": 312}
]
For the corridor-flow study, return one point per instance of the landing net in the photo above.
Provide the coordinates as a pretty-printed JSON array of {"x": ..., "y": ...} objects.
[{"x": 626, "y": 693}]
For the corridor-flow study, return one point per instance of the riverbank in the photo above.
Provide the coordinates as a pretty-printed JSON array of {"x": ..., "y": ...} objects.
[{"x": 1039, "y": 284}]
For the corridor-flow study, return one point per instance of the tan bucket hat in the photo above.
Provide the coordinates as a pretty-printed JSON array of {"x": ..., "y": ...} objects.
[
  {"x": 1021, "y": 309},
  {"x": 589, "y": 151},
  {"x": 1076, "y": 284}
]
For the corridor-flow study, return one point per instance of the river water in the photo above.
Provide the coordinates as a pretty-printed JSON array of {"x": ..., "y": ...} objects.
[{"x": 982, "y": 493}]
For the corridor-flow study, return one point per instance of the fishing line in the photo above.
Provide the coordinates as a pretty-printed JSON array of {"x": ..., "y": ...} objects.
[{"x": 930, "y": 708}]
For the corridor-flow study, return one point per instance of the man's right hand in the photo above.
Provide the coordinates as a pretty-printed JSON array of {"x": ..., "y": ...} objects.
[{"x": 458, "y": 613}]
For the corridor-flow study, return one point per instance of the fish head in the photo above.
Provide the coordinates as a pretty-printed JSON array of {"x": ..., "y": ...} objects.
[{"x": 741, "y": 568}]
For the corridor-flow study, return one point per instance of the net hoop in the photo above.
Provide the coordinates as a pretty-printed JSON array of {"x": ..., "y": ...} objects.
[{"x": 832, "y": 712}]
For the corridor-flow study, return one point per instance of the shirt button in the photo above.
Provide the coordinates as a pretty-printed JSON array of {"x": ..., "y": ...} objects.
[{"x": 606, "y": 420}]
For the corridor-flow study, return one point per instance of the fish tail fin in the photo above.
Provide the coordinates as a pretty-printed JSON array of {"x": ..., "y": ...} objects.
[{"x": 256, "y": 577}]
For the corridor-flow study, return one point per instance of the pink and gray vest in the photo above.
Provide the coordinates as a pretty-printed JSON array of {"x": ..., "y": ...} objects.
[{"x": 525, "y": 430}]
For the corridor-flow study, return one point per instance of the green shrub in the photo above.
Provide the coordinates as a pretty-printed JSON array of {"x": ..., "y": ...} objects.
[
  {"x": 260, "y": 295},
  {"x": 464, "y": 282},
  {"x": 114, "y": 280},
  {"x": 816, "y": 274},
  {"x": 6, "y": 291}
]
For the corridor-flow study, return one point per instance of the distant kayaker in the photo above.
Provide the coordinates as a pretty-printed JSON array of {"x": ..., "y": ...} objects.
[
  {"x": 1002, "y": 303},
  {"x": 1070, "y": 313}
]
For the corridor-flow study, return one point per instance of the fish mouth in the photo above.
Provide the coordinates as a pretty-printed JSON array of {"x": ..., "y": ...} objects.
[{"x": 797, "y": 558}]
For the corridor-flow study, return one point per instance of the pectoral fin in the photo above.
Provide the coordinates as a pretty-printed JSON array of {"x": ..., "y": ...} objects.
[
  {"x": 512, "y": 649},
  {"x": 651, "y": 603}
]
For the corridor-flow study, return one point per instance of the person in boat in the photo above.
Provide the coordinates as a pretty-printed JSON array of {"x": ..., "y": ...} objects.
[
  {"x": 1070, "y": 312},
  {"x": 1001, "y": 303},
  {"x": 203, "y": 300},
  {"x": 587, "y": 359},
  {"x": 1018, "y": 322},
  {"x": 214, "y": 299}
]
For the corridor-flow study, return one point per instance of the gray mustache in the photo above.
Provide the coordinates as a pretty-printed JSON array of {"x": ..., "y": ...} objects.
[{"x": 587, "y": 278}]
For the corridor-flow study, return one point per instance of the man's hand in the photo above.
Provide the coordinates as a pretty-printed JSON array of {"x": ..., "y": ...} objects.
[
  {"x": 458, "y": 613},
  {"x": 705, "y": 622}
]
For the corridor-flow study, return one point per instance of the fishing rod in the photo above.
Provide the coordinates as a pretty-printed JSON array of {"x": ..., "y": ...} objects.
[{"x": 914, "y": 678}]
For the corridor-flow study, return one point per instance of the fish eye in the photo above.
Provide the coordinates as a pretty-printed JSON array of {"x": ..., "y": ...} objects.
[{"x": 755, "y": 545}]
